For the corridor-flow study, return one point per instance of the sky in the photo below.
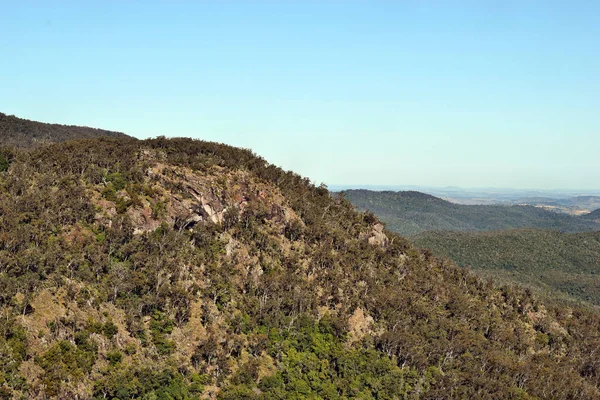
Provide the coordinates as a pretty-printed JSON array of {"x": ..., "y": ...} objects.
[{"x": 432, "y": 93}]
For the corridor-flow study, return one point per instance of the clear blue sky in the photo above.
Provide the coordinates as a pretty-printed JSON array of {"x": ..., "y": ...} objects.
[{"x": 463, "y": 93}]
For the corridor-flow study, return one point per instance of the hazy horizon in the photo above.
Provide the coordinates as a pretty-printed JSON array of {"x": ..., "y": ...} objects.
[
  {"x": 473, "y": 192},
  {"x": 476, "y": 94},
  {"x": 449, "y": 187}
]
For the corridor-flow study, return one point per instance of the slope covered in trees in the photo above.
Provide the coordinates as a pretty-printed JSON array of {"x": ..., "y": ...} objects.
[
  {"x": 180, "y": 269},
  {"x": 554, "y": 262},
  {"x": 20, "y": 132},
  {"x": 594, "y": 215},
  {"x": 410, "y": 213}
]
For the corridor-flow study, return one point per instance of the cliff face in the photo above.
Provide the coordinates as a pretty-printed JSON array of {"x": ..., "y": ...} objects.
[{"x": 185, "y": 269}]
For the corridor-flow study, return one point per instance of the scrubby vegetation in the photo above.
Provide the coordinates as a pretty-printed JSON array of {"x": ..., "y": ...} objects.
[
  {"x": 18, "y": 132},
  {"x": 554, "y": 262},
  {"x": 181, "y": 269},
  {"x": 410, "y": 213}
]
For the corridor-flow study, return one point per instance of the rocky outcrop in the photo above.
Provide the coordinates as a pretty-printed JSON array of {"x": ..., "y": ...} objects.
[
  {"x": 376, "y": 237},
  {"x": 183, "y": 198},
  {"x": 359, "y": 325}
]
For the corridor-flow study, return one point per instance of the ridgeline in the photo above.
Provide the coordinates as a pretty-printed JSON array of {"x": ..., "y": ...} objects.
[{"x": 23, "y": 133}]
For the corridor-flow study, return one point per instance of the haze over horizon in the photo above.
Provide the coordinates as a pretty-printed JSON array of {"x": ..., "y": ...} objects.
[
  {"x": 481, "y": 94},
  {"x": 423, "y": 188}
]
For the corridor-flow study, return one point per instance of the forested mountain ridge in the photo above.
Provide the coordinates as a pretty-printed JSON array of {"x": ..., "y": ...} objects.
[
  {"x": 19, "y": 132},
  {"x": 181, "y": 269},
  {"x": 410, "y": 213},
  {"x": 566, "y": 264}
]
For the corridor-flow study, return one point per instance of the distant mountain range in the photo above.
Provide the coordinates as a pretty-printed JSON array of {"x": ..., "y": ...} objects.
[
  {"x": 410, "y": 213},
  {"x": 577, "y": 205},
  {"x": 23, "y": 133},
  {"x": 472, "y": 196}
]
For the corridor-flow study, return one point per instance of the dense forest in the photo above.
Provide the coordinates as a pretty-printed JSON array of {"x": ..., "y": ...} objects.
[
  {"x": 18, "y": 132},
  {"x": 561, "y": 265},
  {"x": 181, "y": 269},
  {"x": 410, "y": 213}
]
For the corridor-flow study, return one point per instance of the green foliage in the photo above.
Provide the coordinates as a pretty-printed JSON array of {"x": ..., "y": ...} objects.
[
  {"x": 293, "y": 231},
  {"x": 13, "y": 347},
  {"x": 109, "y": 193},
  {"x": 562, "y": 264},
  {"x": 159, "y": 209},
  {"x": 4, "y": 162},
  {"x": 115, "y": 183},
  {"x": 64, "y": 362},
  {"x": 144, "y": 383},
  {"x": 237, "y": 393},
  {"x": 197, "y": 383},
  {"x": 109, "y": 329},
  {"x": 114, "y": 357},
  {"x": 84, "y": 343},
  {"x": 317, "y": 364},
  {"x": 160, "y": 326},
  {"x": 116, "y": 180}
]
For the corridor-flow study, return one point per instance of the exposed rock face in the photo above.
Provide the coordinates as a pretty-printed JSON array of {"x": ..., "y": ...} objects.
[
  {"x": 184, "y": 198},
  {"x": 376, "y": 237},
  {"x": 379, "y": 238},
  {"x": 360, "y": 325}
]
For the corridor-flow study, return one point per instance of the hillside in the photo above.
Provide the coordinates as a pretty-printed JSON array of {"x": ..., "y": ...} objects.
[
  {"x": 18, "y": 132},
  {"x": 566, "y": 264},
  {"x": 410, "y": 213},
  {"x": 181, "y": 269},
  {"x": 594, "y": 215}
]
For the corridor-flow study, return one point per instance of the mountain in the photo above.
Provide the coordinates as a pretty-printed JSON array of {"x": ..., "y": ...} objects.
[
  {"x": 182, "y": 269},
  {"x": 561, "y": 264},
  {"x": 410, "y": 213},
  {"x": 20, "y": 132}
]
